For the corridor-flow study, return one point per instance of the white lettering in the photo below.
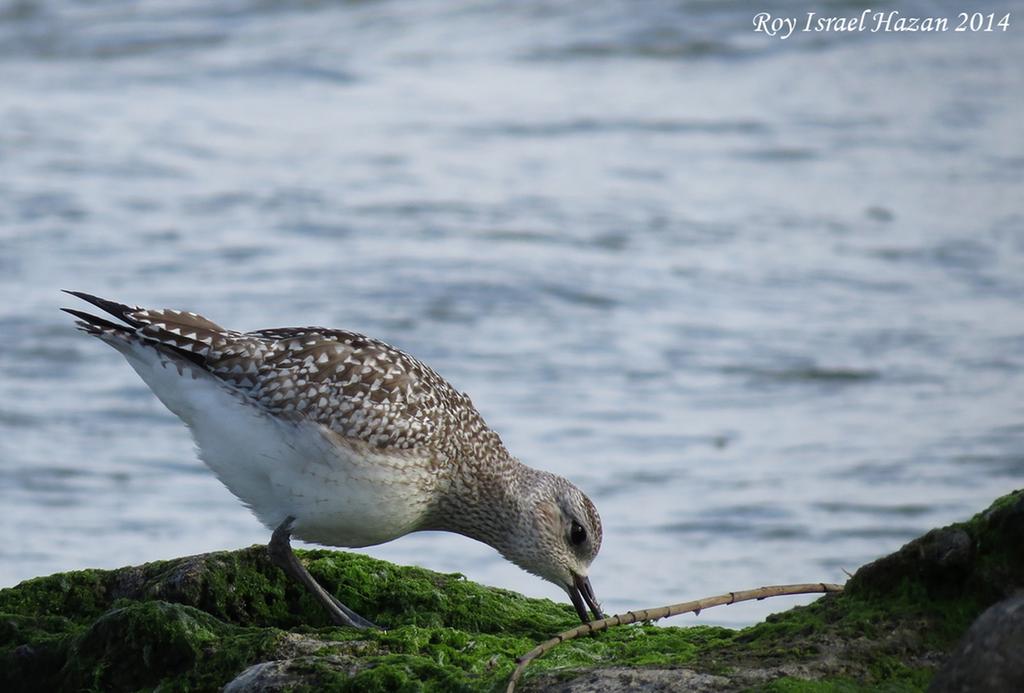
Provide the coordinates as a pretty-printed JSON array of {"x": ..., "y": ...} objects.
[
  {"x": 883, "y": 21},
  {"x": 774, "y": 26},
  {"x": 862, "y": 23}
]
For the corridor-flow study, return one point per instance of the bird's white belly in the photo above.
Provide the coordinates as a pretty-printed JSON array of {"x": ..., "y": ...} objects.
[{"x": 340, "y": 492}]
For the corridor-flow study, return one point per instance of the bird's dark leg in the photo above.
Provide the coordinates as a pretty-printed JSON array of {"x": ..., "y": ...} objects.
[{"x": 281, "y": 554}]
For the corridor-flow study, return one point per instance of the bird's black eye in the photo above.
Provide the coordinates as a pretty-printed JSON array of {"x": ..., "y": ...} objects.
[{"x": 577, "y": 535}]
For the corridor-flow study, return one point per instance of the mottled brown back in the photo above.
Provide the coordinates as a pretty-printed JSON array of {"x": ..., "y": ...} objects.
[{"x": 359, "y": 387}]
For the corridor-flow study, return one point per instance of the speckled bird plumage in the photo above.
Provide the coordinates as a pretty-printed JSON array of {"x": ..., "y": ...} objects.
[
  {"x": 355, "y": 439},
  {"x": 359, "y": 387}
]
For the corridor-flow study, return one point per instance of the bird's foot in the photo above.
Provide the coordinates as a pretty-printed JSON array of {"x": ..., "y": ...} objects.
[{"x": 281, "y": 554}]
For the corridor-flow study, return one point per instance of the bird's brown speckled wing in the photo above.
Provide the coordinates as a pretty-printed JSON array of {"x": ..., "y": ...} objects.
[{"x": 360, "y": 388}]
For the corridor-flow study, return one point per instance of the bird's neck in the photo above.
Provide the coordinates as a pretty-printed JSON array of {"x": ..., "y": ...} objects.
[{"x": 488, "y": 502}]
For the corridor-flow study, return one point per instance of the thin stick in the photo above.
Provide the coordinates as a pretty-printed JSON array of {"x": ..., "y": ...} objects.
[{"x": 664, "y": 612}]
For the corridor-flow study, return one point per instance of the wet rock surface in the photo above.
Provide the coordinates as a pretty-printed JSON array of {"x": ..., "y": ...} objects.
[
  {"x": 231, "y": 619},
  {"x": 991, "y": 655}
]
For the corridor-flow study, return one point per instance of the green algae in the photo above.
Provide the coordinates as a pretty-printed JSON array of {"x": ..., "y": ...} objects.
[
  {"x": 899, "y": 614},
  {"x": 788, "y": 684},
  {"x": 195, "y": 623}
]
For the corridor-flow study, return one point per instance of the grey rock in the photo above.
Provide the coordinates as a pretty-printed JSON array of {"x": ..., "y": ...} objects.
[
  {"x": 991, "y": 655},
  {"x": 265, "y": 676},
  {"x": 624, "y": 679},
  {"x": 286, "y": 674}
]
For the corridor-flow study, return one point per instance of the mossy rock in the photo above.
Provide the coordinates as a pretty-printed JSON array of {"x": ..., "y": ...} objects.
[{"x": 232, "y": 618}]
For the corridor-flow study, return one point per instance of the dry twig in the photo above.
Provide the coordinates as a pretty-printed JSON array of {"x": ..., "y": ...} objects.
[{"x": 664, "y": 612}]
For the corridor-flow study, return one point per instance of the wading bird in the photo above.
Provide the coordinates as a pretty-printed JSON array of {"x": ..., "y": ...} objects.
[{"x": 343, "y": 440}]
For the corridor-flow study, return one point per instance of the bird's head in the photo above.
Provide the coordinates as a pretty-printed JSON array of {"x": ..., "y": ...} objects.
[{"x": 559, "y": 539}]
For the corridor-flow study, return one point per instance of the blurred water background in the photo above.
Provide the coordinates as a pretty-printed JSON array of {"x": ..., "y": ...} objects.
[{"x": 761, "y": 299}]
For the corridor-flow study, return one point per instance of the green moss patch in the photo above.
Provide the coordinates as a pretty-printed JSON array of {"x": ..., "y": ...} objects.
[{"x": 196, "y": 623}]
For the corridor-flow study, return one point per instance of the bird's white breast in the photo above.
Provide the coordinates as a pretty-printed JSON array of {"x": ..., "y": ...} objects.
[{"x": 340, "y": 492}]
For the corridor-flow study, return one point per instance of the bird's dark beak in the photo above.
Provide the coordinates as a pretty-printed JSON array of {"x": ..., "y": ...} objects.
[{"x": 582, "y": 595}]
